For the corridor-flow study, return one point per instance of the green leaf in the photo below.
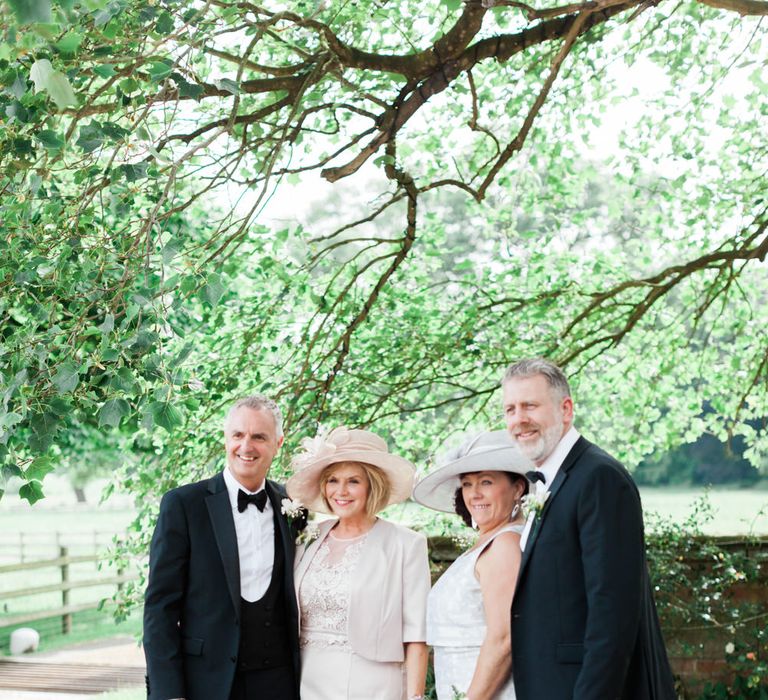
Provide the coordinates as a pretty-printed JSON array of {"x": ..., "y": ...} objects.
[
  {"x": 108, "y": 324},
  {"x": 107, "y": 13},
  {"x": 182, "y": 356},
  {"x": 32, "y": 491},
  {"x": 66, "y": 378},
  {"x": 113, "y": 411},
  {"x": 227, "y": 85},
  {"x": 123, "y": 380},
  {"x": 91, "y": 137},
  {"x": 40, "y": 73},
  {"x": 132, "y": 171},
  {"x": 39, "y": 468},
  {"x": 129, "y": 85},
  {"x": 51, "y": 140},
  {"x": 166, "y": 415},
  {"x": 106, "y": 70},
  {"x": 187, "y": 89},
  {"x": 53, "y": 82},
  {"x": 28, "y": 11},
  {"x": 10, "y": 419},
  {"x": 212, "y": 290},
  {"x": 114, "y": 131},
  {"x": 19, "y": 87},
  {"x": 9, "y": 470},
  {"x": 164, "y": 23},
  {"x": 69, "y": 43},
  {"x": 17, "y": 111},
  {"x": 452, "y": 5},
  {"x": 45, "y": 424},
  {"x": 159, "y": 71}
]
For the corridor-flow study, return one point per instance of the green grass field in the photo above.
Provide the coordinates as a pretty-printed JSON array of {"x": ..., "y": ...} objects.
[{"x": 736, "y": 511}]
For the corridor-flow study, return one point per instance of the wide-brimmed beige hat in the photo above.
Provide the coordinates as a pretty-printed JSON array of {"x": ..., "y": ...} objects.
[
  {"x": 346, "y": 445},
  {"x": 486, "y": 452}
]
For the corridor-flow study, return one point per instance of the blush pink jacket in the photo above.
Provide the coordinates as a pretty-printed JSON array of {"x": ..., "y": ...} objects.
[{"x": 390, "y": 584}]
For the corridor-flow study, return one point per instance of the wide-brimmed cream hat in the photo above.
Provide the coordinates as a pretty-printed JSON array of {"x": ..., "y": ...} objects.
[
  {"x": 486, "y": 452},
  {"x": 346, "y": 445}
]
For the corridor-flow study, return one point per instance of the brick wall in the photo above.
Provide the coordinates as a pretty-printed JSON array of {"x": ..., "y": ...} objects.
[{"x": 696, "y": 651}]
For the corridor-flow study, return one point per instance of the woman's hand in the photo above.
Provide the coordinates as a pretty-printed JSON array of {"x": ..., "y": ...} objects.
[{"x": 416, "y": 655}]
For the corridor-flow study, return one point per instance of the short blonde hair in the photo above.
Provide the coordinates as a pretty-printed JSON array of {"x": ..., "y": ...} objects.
[{"x": 379, "y": 487}]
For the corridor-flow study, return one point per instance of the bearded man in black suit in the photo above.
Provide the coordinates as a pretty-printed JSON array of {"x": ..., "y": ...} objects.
[
  {"x": 584, "y": 624},
  {"x": 220, "y": 614}
]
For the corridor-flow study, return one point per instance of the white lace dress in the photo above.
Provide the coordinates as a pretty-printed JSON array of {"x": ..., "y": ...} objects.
[
  {"x": 330, "y": 670},
  {"x": 456, "y": 624}
]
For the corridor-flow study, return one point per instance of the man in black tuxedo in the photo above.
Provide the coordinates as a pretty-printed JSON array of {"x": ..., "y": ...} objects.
[
  {"x": 220, "y": 614},
  {"x": 584, "y": 624}
]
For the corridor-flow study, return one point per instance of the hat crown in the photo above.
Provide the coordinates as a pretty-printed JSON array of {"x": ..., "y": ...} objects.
[
  {"x": 480, "y": 444},
  {"x": 354, "y": 439},
  {"x": 340, "y": 439}
]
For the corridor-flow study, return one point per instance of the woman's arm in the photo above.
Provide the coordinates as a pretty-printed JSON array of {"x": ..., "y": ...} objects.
[
  {"x": 416, "y": 655},
  {"x": 496, "y": 569},
  {"x": 415, "y": 586}
]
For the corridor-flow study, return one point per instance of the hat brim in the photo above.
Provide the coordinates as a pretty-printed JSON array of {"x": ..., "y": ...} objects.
[
  {"x": 437, "y": 490},
  {"x": 304, "y": 485}
]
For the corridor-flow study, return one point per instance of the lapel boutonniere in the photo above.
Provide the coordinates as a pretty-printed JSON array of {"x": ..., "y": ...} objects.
[
  {"x": 297, "y": 515},
  {"x": 534, "y": 502}
]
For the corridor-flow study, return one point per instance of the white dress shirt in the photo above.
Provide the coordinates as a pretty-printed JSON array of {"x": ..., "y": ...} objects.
[
  {"x": 549, "y": 468},
  {"x": 255, "y": 541}
]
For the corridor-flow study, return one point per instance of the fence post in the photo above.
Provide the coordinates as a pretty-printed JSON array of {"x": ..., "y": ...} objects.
[{"x": 66, "y": 619}]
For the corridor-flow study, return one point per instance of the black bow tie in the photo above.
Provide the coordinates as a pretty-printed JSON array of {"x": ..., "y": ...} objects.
[
  {"x": 258, "y": 499},
  {"x": 534, "y": 476}
]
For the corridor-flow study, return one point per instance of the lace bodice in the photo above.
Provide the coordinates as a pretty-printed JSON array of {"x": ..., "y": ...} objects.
[{"x": 324, "y": 592}]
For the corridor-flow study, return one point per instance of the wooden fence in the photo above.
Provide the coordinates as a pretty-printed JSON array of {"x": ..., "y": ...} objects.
[
  {"x": 32, "y": 546},
  {"x": 65, "y": 585}
]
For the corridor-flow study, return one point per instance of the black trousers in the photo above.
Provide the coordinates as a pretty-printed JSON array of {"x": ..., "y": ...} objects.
[{"x": 268, "y": 684}]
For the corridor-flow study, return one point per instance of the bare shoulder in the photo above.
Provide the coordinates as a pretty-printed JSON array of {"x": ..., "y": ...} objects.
[
  {"x": 501, "y": 555},
  {"x": 503, "y": 545}
]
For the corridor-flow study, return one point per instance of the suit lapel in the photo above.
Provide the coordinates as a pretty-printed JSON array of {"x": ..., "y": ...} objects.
[
  {"x": 286, "y": 534},
  {"x": 562, "y": 474},
  {"x": 220, "y": 513}
]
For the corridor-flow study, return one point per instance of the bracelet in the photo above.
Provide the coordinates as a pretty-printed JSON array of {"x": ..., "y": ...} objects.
[{"x": 416, "y": 697}]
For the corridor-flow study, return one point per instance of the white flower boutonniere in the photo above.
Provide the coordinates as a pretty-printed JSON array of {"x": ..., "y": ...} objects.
[
  {"x": 534, "y": 502},
  {"x": 309, "y": 534},
  {"x": 297, "y": 518},
  {"x": 291, "y": 509}
]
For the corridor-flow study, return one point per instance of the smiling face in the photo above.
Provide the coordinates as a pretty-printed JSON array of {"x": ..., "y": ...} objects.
[
  {"x": 490, "y": 497},
  {"x": 536, "y": 417},
  {"x": 346, "y": 490},
  {"x": 251, "y": 444}
]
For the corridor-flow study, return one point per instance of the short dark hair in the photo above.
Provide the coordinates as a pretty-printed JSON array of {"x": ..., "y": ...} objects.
[
  {"x": 532, "y": 366},
  {"x": 461, "y": 508}
]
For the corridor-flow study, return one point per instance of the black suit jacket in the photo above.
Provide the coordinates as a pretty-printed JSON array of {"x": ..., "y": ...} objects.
[
  {"x": 192, "y": 601},
  {"x": 584, "y": 624}
]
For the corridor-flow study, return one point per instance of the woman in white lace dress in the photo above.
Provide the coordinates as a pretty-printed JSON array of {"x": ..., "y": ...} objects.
[
  {"x": 362, "y": 584},
  {"x": 468, "y": 612}
]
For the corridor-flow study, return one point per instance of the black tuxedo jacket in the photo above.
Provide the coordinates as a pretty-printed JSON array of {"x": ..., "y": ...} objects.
[
  {"x": 192, "y": 602},
  {"x": 584, "y": 624}
]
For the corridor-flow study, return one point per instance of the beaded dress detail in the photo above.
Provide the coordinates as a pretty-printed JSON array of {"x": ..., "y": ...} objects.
[{"x": 325, "y": 590}]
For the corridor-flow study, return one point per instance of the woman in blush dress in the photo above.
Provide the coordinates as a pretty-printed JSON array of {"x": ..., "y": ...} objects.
[
  {"x": 362, "y": 584},
  {"x": 468, "y": 613}
]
